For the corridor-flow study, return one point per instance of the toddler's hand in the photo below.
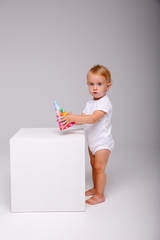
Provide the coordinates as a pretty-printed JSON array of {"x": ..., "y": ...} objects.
[
  {"x": 70, "y": 113},
  {"x": 67, "y": 119}
]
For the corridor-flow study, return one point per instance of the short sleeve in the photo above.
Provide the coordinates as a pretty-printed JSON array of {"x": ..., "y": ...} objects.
[
  {"x": 84, "y": 110},
  {"x": 104, "y": 105},
  {"x": 86, "y": 107}
]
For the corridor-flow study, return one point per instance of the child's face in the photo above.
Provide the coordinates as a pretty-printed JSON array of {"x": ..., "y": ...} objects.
[{"x": 98, "y": 85}]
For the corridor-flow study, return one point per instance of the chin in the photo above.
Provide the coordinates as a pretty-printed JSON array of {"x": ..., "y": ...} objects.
[{"x": 96, "y": 97}]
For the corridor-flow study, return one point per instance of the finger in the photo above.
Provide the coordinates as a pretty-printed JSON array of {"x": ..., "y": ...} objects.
[
  {"x": 62, "y": 119},
  {"x": 64, "y": 123}
]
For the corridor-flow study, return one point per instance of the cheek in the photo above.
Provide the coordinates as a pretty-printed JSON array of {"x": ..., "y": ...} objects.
[
  {"x": 90, "y": 88},
  {"x": 105, "y": 89}
]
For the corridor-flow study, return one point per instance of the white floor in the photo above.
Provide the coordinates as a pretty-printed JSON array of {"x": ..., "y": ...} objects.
[{"x": 131, "y": 210}]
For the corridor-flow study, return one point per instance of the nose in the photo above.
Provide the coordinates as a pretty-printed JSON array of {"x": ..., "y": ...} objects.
[{"x": 94, "y": 87}]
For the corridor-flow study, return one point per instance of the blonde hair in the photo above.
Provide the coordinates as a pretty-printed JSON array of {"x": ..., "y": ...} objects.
[{"x": 101, "y": 70}]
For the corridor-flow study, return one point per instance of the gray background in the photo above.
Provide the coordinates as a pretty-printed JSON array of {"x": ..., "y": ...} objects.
[
  {"x": 46, "y": 50},
  {"x": 47, "y": 47}
]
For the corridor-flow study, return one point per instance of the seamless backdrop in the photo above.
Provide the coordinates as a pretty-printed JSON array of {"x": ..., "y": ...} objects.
[{"x": 46, "y": 50}]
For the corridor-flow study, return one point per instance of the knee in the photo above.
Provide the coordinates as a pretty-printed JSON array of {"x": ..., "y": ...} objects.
[{"x": 99, "y": 168}]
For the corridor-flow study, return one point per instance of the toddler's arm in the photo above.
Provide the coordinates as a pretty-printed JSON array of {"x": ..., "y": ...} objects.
[
  {"x": 79, "y": 123},
  {"x": 83, "y": 119}
]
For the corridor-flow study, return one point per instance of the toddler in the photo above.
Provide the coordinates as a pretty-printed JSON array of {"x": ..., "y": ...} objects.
[{"x": 96, "y": 118}]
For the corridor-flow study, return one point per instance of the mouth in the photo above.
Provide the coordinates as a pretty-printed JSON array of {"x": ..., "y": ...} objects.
[{"x": 95, "y": 93}]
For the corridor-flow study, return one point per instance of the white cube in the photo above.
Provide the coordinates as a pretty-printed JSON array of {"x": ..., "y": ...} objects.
[{"x": 47, "y": 169}]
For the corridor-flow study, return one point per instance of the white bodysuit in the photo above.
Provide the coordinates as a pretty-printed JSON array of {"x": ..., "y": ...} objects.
[{"x": 99, "y": 134}]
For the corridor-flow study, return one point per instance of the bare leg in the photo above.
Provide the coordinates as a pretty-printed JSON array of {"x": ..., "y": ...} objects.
[
  {"x": 92, "y": 191},
  {"x": 101, "y": 159},
  {"x": 94, "y": 177}
]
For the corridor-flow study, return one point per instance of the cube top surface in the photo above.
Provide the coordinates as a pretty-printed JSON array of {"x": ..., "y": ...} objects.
[{"x": 49, "y": 133}]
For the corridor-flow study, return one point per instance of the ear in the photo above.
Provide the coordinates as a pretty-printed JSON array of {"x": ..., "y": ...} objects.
[{"x": 108, "y": 86}]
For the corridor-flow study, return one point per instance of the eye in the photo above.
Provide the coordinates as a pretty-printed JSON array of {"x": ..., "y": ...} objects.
[
  {"x": 99, "y": 84},
  {"x": 91, "y": 84}
]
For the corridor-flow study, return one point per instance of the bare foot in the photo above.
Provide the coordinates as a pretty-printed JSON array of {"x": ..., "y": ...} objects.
[
  {"x": 90, "y": 192},
  {"x": 95, "y": 200}
]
